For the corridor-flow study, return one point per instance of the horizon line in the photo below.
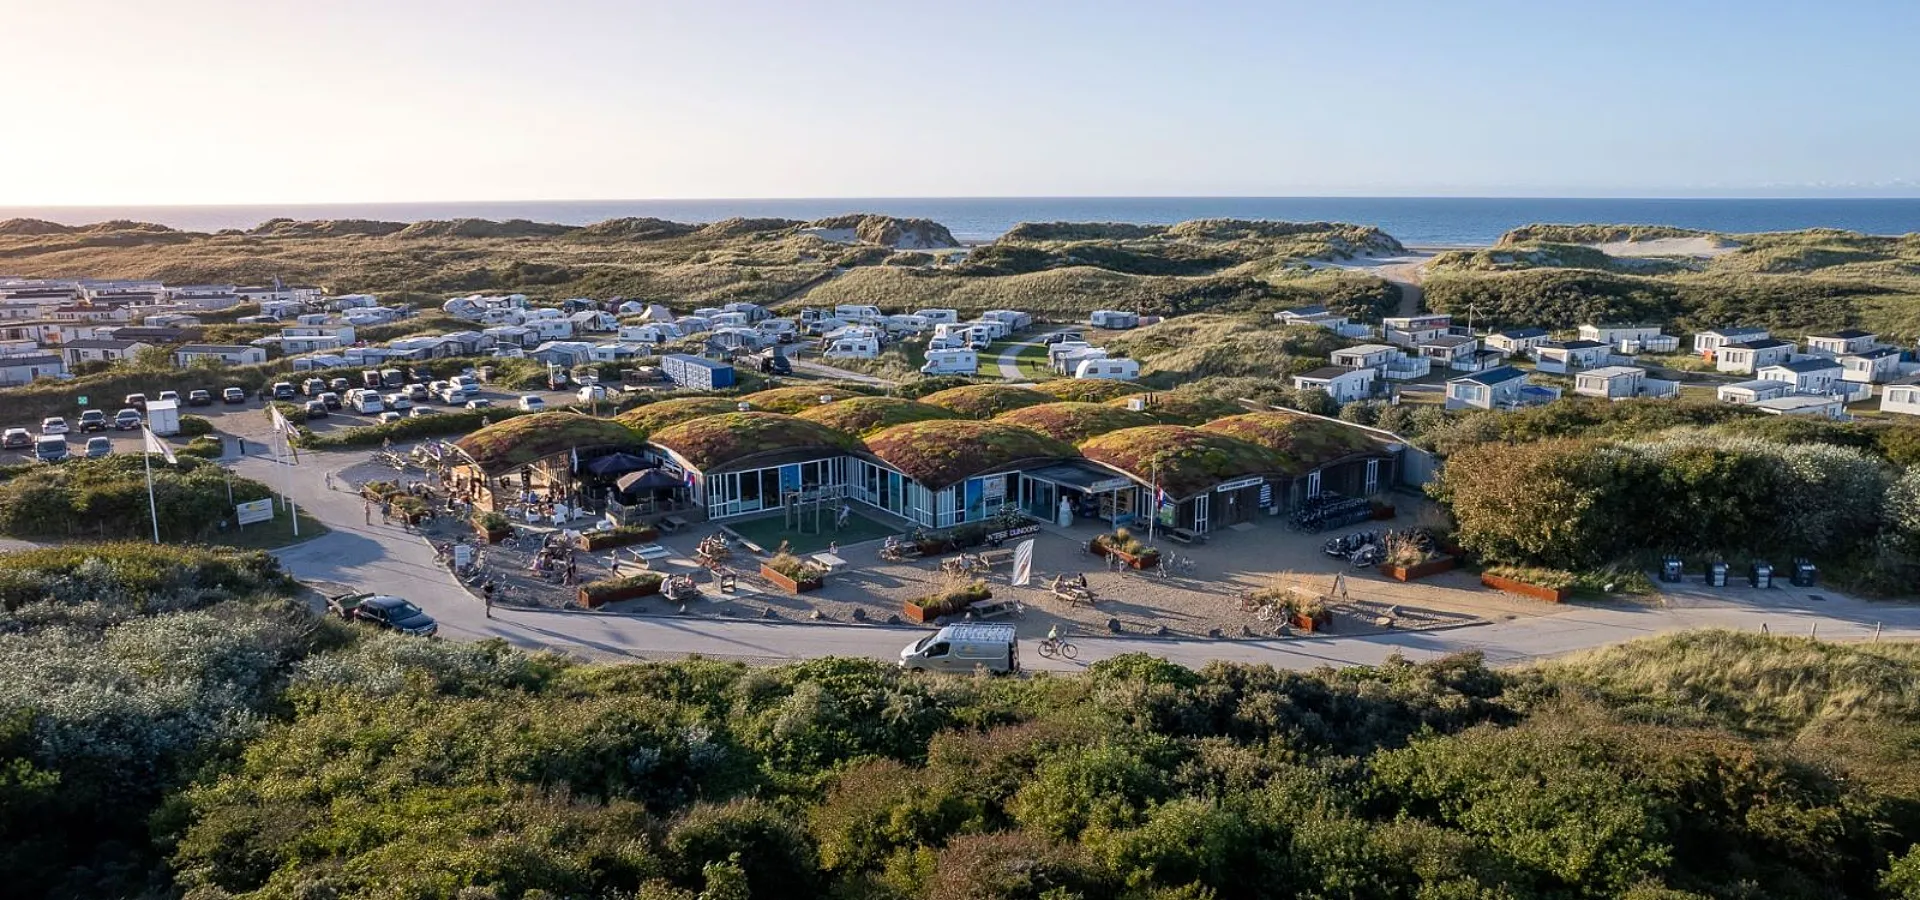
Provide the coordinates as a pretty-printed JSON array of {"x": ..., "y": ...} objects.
[{"x": 979, "y": 197}]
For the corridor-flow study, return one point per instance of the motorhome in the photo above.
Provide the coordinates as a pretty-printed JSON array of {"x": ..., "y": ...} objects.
[
  {"x": 854, "y": 312},
  {"x": 951, "y": 362},
  {"x": 991, "y": 646},
  {"x": 779, "y": 330},
  {"x": 994, "y": 328},
  {"x": 1069, "y": 362},
  {"x": 937, "y": 316},
  {"x": 1061, "y": 349},
  {"x": 853, "y": 347},
  {"x": 1015, "y": 320}
]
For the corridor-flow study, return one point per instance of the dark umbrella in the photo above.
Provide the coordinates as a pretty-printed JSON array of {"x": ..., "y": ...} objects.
[
  {"x": 615, "y": 464},
  {"x": 646, "y": 480}
]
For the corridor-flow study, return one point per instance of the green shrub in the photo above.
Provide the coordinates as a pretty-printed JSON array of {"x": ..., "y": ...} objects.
[
  {"x": 1551, "y": 579},
  {"x": 492, "y": 522},
  {"x": 953, "y": 600},
  {"x": 195, "y": 426},
  {"x": 600, "y": 591},
  {"x": 107, "y": 498},
  {"x": 204, "y": 447},
  {"x": 618, "y": 536}
]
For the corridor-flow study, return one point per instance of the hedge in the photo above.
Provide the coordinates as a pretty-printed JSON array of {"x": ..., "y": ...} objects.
[
  {"x": 599, "y": 591},
  {"x": 412, "y": 428}
]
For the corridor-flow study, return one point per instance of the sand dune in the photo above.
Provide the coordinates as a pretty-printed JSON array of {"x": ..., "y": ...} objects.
[{"x": 1690, "y": 246}]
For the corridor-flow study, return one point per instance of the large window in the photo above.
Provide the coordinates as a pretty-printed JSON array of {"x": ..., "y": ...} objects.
[{"x": 739, "y": 493}]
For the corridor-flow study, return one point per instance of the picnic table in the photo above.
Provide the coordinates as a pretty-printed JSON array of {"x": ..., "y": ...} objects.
[
  {"x": 650, "y": 551},
  {"x": 671, "y": 524},
  {"x": 829, "y": 561}
]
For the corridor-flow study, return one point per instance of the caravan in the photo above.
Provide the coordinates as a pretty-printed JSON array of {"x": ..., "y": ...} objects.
[
  {"x": 908, "y": 324},
  {"x": 951, "y": 362},
  {"x": 1114, "y": 319},
  {"x": 1014, "y": 319},
  {"x": 778, "y": 330},
  {"x": 853, "y": 346},
  {"x": 1108, "y": 368},
  {"x": 939, "y": 316},
  {"x": 853, "y": 312},
  {"x": 994, "y": 329}
]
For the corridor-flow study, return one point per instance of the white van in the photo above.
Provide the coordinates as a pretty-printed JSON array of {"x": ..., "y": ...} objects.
[
  {"x": 468, "y": 385},
  {"x": 993, "y": 327},
  {"x": 951, "y": 362},
  {"x": 367, "y": 403},
  {"x": 782, "y": 330},
  {"x": 962, "y": 648}
]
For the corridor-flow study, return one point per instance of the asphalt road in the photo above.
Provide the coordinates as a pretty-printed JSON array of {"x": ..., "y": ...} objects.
[{"x": 387, "y": 558}]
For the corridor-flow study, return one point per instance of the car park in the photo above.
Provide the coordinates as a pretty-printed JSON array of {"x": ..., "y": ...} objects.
[
  {"x": 331, "y": 399},
  {"x": 137, "y": 401},
  {"x": 531, "y": 403},
  {"x": 50, "y": 448},
  {"x": 93, "y": 420},
  {"x": 126, "y": 420},
  {"x": 283, "y": 390},
  {"x": 234, "y": 395},
  {"x": 16, "y": 439},
  {"x": 199, "y": 398},
  {"x": 53, "y": 425},
  {"x": 316, "y": 409},
  {"x": 99, "y": 446}
]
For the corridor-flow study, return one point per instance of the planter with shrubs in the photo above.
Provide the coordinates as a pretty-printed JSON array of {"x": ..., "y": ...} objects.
[
  {"x": 1551, "y": 585},
  {"x": 793, "y": 574},
  {"x": 617, "y": 536},
  {"x": 595, "y": 593},
  {"x": 951, "y": 601},
  {"x": 1306, "y": 612},
  {"x": 1409, "y": 558},
  {"x": 1122, "y": 545},
  {"x": 493, "y": 526}
]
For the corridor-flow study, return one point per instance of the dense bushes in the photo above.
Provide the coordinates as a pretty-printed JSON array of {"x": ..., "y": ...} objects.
[
  {"x": 459, "y": 421},
  {"x": 107, "y": 498}
]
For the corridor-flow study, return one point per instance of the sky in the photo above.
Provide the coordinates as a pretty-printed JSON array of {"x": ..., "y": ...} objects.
[{"x": 290, "y": 101}]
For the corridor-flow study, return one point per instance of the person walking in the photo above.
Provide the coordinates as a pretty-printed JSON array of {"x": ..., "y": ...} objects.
[
  {"x": 368, "y": 506},
  {"x": 486, "y": 596},
  {"x": 329, "y": 481}
]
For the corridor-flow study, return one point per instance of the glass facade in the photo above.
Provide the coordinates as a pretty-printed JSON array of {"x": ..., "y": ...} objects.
[{"x": 748, "y": 491}]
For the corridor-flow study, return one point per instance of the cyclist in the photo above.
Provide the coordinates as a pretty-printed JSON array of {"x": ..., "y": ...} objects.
[{"x": 1053, "y": 635}]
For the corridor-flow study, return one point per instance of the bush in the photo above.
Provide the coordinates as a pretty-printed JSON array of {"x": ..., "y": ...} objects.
[
  {"x": 492, "y": 522},
  {"x": 793, "y": 567},
  {"x": 1123, "y": 540},
  {"x": 618, "y": 536},
  {"x": 1552, "y": 579},
  {"x": 952, "y": 599},
  {"x": 606, "y": 588},
  {"x": 195, "y": 426},
  {"x": 107, "y": 498}
]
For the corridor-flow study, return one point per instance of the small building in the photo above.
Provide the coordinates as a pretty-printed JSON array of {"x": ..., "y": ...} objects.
[
  {"x": 1708, "y": 343},
  {"x": 1516, "y": 341},
  {"x": 1344, "y": 384},
  {"x": 26, "y": 367},
  {"x": 1388, "y": 362},
  {"x": 1806, "y": 376},
  {"x": 1504, "y": 387},
  {"x": 227, "y": 354},
  {"x": 1842, "y": 343},
  {"x": 1563, "y": 357},
  {"x": 1454, "y": 351},
  {"x": 1902, "y": 396},
  {"x": 100, "y": 350},
  {"x": 1750, "y": 392},
  {"x": 1631, "y": 339},
  {"x": 1871, "y": 366},
  {"x": 1620, "y": 383},
  {"x": 1803, "y": 405},
  {"x": 1749, "y": 357},
  {"x": 1412, "y": 331},
  {"x": 693, "y": 372}
]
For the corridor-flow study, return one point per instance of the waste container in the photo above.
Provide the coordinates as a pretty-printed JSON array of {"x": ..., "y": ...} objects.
[
  {"x": 1717, "y": 575},
  {"x": 1761, "y": 575},
  {"x": 1804, "y": 573},
  {"x": 1670, "y": 569}
]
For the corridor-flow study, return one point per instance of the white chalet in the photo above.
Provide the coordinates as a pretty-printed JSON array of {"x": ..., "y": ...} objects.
[
  {"x": 1344, "y": 384},
  {"x": 1707, "y": 343},
  {"x": 1841, "y": 343},
  {"x": 1902, "y": 396},
  {"x": 1748, "y": 357}
]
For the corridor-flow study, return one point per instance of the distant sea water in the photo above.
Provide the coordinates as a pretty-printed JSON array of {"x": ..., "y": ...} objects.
[{"x": 1416, "y": 221}]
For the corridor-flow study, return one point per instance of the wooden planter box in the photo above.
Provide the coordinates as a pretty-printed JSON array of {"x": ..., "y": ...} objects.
[
  {"x": 1422, "y": 570},
  {"x": 1537, "y": 592},
  {"x": 495, "y": 537},
  {"x": 1309, "y": 625},
  {"x": 1145, "y": 560},
  {"x": 921, "y": 615},
  {"x": 588, "y": 602},
  {"x": 602, "y": 540},
  {"x": 789, "y": 585}
]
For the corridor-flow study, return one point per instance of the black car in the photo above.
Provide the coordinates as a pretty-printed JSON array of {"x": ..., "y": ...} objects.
[
  {"x": 93, "y": 420},
  {"x": 385, "y": 611},
  {"x": 316, "y": 409},
  {"x": 199, "y": 398},
  {"x": 283, "y": 390}
]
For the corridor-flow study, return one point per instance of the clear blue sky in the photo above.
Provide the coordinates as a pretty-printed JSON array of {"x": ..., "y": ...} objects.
[{"x": 256, "y": 101}]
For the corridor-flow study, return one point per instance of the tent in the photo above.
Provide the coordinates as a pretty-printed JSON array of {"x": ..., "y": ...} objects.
[
  {"x": 647, "y": 480},
  {"x": 614, "y": 464}
]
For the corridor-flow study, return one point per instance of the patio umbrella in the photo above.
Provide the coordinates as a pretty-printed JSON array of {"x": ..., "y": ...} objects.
[
  {"x": 615, "y": 464},
  {"x": 646, "y": 480}
]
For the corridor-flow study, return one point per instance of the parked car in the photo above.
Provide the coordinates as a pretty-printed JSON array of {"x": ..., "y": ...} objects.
[
  {"x": 314, "y": 387},
  {"x": 398, "y": 400},
  {"x": 234, "y": 395},
  {"x": 383, "y": 611},
  {"x": 170, "y": 395},
  {"x": 390, "y": 416},
  {"x": 93, "y": 420},
  {"x": 137, "y": 401},
  {"x": 51, "y": 448},
  {"x": 417, "y": 393},
  {"x": 316, "y": 409},
  {"x": 531, "y": 403},
  {"x": 419, "y": 411},
  {"x": 201, "y": 398},
  {"x": 482, "y": 403},
  {"x": 16, "y": 439},
  {"x": 283, "y": 390},
  {"x": 126, "y": 420},
  {"x": 592, "y": 393},
  {"x": 53, "y": 425},
  {"x": 99, "y": 446},
  {"x": 331, "y": 399}
]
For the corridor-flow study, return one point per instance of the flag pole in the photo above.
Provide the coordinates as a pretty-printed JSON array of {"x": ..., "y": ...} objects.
[
  {"x": 1153, "y": 508},
  {"x": 153, "y": 508}
]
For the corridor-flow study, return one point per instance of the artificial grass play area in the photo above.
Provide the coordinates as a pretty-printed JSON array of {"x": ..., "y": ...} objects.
[{"x": 769, "y": 531}]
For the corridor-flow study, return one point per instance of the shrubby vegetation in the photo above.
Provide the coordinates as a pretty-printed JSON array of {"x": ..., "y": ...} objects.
[{"x": 107, "y": 498}]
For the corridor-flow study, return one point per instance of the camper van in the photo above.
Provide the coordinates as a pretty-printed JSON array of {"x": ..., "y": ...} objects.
[
  {"x": 854, "y": 348},
  {"x": 991, "y": 646},
  {"x": 1108, "y": 368},
  {"x": 1015, "y": 320},
  {"x": 781, "y": 330},
  {"x": 951, "y": 362},
  {"x": 993, "y": 328},
  {"x": 937, "y": 316},
  {"x": 1114, "y": 319},
  {"x": 853, "y": 312}
]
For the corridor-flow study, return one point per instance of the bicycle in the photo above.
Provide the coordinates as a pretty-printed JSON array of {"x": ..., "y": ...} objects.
[{"x": 1058, "y": 647}]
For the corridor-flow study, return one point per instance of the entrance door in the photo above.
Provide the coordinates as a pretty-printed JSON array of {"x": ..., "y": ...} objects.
[
  {"x": 1313, "y": 485},
  {"x": 1200, "y": 514},
  {"x": 1373, "y": 477}
]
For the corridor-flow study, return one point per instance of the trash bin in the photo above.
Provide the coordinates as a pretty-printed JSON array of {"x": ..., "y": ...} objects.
[
  {"x": 1761, "y": 575},
  {"x": 1804, "y": 573},
  {"x": 1717, "y": 575},
  {"x": 1670, "y": 569}
]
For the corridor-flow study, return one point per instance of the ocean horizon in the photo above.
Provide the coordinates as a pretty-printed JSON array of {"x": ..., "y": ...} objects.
[{"x": 1415, "y": 221}]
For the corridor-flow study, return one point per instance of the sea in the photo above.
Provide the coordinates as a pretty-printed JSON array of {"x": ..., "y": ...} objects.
[{"x": 1415, "y": 221}]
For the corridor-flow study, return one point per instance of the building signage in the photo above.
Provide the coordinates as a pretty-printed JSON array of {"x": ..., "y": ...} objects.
[
  {"x": 1239, "y": 483},
  {"x": 1111, "y": 484},
  {"x": 253, "y": 511},
  {"x": 1014, "y": 532}
]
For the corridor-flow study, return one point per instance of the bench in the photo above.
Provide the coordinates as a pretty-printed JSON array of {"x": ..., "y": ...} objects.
[
  {"x": 671, "y": 524},
  {"x": 1184, "y": 536}
]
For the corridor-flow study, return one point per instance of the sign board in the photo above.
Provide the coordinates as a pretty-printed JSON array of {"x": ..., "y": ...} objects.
[
  {"x": 1014, "y": 532},
  {"x": 253, "y": 511},
  {"x": 1239, "y": 483},
  {"x": 462, "y": 555},
  {"x": 1111, "y": 484},
  {"x": 83, "y": 399}
]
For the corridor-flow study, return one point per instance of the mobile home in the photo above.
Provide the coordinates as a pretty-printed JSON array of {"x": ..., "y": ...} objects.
[{"x": 951, "y": 362}]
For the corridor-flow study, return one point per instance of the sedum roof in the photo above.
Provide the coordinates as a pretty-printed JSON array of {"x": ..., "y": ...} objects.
[
  {"x": 942, "y": 453},
  {"x": 1178, "y": 408},
  {"x": 984, "y": 401},
  {"x": 1182, "y": 460},
  {"x": 711, "y": 443},
  {"x": 862, "y": 416},
  {"x": 1302, "y": 443},
  {"x": 797, "y": 398},
  {"x": 1089, "y": 390},
  {"x": 1075, "y": 422},
  {"x": 521, "y": 440},
  {"x": 655, "y": 416}
]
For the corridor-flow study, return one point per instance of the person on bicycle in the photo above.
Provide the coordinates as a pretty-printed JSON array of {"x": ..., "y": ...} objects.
[{"x": 1053, "y": 634}]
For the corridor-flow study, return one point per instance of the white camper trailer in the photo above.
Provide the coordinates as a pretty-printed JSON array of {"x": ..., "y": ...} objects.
[
  {"x": 938, "y": 316},
  {"x": 1114, "y": 319},
  {"x": 1069, "y": 362},
  {"x": 908, "y": 324},
  {"x": 951, "y": 362},
  {"x": 1015, "y": 320},
  {"x": 1108, "y": 368},
  {"x": 853, "y": 347}
]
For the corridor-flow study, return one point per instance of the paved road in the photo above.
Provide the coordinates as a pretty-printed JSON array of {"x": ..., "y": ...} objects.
[
  {"x": 386, "y": 558},
  {"x": 1009, "y": 358}
]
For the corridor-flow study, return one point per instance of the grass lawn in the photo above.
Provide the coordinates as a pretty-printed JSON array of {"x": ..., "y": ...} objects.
[
  {"x": 1029, "y": 357},
  {"x": 274, "y": 534},
  {"x": 769, "y": 531}
]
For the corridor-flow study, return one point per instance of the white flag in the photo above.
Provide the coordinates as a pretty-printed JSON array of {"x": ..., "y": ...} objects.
[
  {"x": 1023, "y": 562},
  {"x": 155, "y": 445},
  {"x": 280, "y": 423}
]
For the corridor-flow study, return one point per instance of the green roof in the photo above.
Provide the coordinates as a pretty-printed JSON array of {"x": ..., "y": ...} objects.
[
  {"x": 1303, "y": 443},
  {"x": 655, "y": 416},
  {"x": 1182, "y": 460},
  {"x": 1089, "y": 390},
  {"x": 984, "y": 401},
  {"x": 942, "y": 453},
  {"x": 515, "y": 442},
  {"x": 862, "y": 416},
  {"x": 1075, "y": 422},
  {"x": 796, "y": 399},
  {"x": 716, "y": 442},
  {"x": 1178, "y": 408}
]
